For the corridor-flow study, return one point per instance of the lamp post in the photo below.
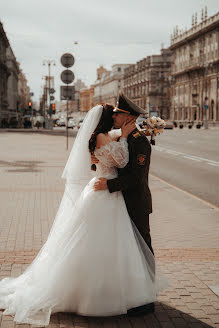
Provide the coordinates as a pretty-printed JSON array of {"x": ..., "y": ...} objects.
[{"x": 49, "y": 63}]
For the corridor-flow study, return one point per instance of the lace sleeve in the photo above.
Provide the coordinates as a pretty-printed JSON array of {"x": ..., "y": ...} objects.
[{"x": 114, "y": 153}]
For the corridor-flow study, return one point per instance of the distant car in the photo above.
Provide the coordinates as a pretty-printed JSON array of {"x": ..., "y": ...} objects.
[
  {"x": 71, "y": 123},
  {"x": 169, "y": 125},
  {"x": 61, "y": 122},
  {"x": 55, "y": 122},
  {"x": 80, "y": 123}
]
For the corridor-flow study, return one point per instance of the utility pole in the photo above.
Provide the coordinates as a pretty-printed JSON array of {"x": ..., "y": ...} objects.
[
  {"x": 67, "y": 77},
  {"x": 49, "y": 63}
]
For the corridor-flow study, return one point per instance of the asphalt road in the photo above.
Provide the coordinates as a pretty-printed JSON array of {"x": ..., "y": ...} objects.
[{"x": 189, "y": 160}]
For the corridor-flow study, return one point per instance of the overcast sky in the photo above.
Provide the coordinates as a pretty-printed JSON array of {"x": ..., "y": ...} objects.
[{"x": 108, "y": 32}]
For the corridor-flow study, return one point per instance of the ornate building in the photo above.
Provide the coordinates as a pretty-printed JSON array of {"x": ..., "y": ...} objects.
[
  {"x": 108, "y": 84},
  {"x": 195, "y": 71},
  {"x": 4, "y": 74},
  {"x": 147, "y": 83},
  {"x": 14, "y": 91},
  {"x": 86, "y": 99},
  {"x": 23, "y": 92},
  {"x": 12, "y": 84}
]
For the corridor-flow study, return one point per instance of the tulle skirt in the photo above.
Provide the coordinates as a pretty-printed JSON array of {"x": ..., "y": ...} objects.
[{"x": 94, "y": 263}]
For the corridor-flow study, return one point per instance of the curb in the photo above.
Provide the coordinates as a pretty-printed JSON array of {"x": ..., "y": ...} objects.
[{"x": 43, "y": 131}]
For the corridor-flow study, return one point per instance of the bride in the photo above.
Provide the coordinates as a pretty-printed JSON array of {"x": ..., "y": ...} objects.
[{"x": 94, "y": 262}]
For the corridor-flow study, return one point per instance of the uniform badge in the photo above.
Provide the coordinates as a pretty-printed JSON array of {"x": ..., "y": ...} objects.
[
  {"x": 136, "y": 134},
  {"x": 141, "y": 159}
]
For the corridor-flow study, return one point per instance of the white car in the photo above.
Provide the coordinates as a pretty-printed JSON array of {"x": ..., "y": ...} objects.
[
  {"x": 61, "y": 122},
  {"x": 71, "y": 123}
]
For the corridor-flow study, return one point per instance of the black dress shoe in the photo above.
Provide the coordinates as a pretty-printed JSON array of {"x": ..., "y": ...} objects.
[{"x": 141, "y": 310}]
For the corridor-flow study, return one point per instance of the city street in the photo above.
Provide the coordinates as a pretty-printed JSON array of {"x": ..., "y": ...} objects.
[
  {"x": 189, "y": 159},
  {"x": 184, "y": 232}
]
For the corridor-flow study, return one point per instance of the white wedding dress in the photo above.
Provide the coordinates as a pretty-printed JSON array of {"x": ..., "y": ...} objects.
[{"x": 94, "y": 263}]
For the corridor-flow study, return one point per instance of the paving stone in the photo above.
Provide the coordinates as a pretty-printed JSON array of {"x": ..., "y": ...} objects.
[{"x": 29, "y": 201}]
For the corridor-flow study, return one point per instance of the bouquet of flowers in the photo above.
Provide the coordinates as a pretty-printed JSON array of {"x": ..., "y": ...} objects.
[{"x": 153, "y": 125}]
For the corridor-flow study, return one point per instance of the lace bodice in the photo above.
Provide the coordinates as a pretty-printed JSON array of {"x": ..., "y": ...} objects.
[{"x": 113, "y": 154}]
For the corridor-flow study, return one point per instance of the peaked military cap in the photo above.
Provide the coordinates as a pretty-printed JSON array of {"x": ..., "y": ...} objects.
[{"x": 125, "y": 105}]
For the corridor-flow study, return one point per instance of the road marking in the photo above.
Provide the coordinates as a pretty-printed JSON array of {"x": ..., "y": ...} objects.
[
  {"x": 212, "y": 164},
  {"x": 185, "y": 192},
  {"x": 187, "y": 156},
  {"x": 192, "y": 158}
]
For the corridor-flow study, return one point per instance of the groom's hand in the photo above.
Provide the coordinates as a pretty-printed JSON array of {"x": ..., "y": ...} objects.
[{"x": 100, "y": 184}]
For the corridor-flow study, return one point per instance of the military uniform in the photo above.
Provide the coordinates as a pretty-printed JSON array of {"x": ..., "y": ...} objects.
[{"x": 132, "y": 181}]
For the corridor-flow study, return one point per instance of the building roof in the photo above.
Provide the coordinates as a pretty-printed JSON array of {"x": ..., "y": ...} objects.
[
  {"x": 3, "y": 35},
  {"x": 205, "y": 26}
]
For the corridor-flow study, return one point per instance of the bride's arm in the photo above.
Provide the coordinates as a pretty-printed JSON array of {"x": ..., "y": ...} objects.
[
  {"x": 115, "y": 134},
  {"x": 101, "y": 140},
  {"x": 119, "y": 152}
]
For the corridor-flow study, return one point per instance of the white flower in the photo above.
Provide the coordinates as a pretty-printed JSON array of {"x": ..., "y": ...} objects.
[
  {"x": 150, "y": 131},
  {"x": 153, "y": 120},
  {"x": 148, "y": 121},
  {"x": 160, "y": 123}
]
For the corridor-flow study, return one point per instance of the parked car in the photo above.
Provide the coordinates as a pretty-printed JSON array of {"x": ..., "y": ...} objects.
[
  {"x": 169, "y": 125},
  {"x": 55, "y": 122},
  {"x": 80, "y": 123},
  {"x": 71, "y": 123},
  {"x": 61, "y": 122}
]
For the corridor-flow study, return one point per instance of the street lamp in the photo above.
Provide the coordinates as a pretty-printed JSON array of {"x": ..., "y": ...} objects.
[{"x": 49, "y": 63}]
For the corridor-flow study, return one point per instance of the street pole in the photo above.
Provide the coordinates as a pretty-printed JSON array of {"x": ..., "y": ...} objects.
[
  {"x": 67, "y": 76},
  {"x": 205, "y": 116},
  {"x": 67, "y": 121},
  {"x": 49, "y": 63},
  {"x": 32, "y": 114}
]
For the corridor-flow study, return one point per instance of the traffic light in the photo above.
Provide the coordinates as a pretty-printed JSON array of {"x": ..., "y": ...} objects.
[
  {"x": 53, "y": 108},
  {"x": 30, "y": 105}
]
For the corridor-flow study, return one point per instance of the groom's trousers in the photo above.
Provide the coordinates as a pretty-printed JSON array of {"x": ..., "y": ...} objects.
[{"x": 143, "y": 227}]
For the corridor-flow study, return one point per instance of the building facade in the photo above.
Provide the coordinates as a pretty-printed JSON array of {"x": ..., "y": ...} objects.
[
  {"x": 12, "y": 84},
  {"x": 23, "y": 92},
  {"x": 195, "y": 71},
  {"x": 87, "y": 99},
  {"x": 147, "y": 83},
  {"x": 108, "y": 84},
  {"x": 75, "y": 104},
  {"x": 4, "y": 74}
]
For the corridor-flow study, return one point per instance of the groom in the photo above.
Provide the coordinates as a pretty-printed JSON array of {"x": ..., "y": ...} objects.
[{"x": 132, "y": 180}]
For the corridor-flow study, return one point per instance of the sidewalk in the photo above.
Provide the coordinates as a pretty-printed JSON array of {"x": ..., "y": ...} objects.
[
  {"x": 184, "y": 232},
  {"x": 54, "y": 131}
]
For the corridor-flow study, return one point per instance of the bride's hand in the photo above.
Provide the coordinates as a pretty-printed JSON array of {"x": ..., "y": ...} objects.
[
  {"x": 127, "y": 128},
  {"x": 94, "y": 160}
]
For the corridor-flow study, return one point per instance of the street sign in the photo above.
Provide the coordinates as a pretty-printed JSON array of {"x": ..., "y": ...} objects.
[
  {"x": 67, "y": 76},
  {"x": 31, "y": 94},
  {"x": 205, "y": 107},
  {"x": 52, "y": 97},
  {"x": 67, "y": 60},
  {"x": 67, "y": 93},
  {"x": 52, "y": 90}
]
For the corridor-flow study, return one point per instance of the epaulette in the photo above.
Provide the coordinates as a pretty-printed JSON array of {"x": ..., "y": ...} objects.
[{"x": 136, "y": 134}]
